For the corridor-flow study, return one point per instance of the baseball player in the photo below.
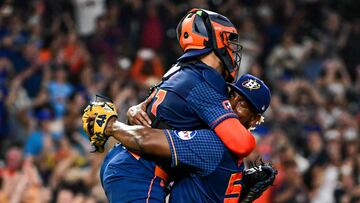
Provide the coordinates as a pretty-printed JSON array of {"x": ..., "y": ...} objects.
[{"x": 209, "y": 171}]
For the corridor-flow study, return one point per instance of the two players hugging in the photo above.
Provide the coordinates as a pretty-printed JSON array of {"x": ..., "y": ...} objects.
[{"x": 203, "y": 92}]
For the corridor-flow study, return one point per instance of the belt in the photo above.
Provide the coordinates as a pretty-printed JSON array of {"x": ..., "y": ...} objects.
[{"x": 159, "y": 172}]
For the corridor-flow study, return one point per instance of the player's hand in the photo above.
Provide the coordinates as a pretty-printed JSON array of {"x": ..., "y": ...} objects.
[
  {"x": 137, "y": 114},
  {"x": 95, "y": 119},
  {"x": 97, "y": 142}
]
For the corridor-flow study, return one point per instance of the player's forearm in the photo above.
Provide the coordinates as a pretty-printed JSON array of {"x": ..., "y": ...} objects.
[
  {"x": 127, "y": 135},
  {"x": 140, "y": 139}
]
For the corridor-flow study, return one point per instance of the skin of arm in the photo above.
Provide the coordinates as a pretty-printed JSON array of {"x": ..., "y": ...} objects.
[{"x": 140, "y": 139}]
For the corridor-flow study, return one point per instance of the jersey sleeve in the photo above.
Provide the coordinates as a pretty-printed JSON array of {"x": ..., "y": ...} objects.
[
  {"x": 215, "y": 109},
  {"x": 211, "y": 106},
  {"x": 200, "y": 151}
]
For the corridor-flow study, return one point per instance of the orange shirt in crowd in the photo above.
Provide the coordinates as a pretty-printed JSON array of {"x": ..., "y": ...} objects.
[{"x": 138, "y": 66}]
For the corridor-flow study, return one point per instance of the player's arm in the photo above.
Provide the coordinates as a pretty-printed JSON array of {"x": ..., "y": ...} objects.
[
  {"x": 171, "y": 145},
  {"x": 140, "y": 139},
  {"x": 200, "y": 150},
  {"x": 215, "y": 110}
]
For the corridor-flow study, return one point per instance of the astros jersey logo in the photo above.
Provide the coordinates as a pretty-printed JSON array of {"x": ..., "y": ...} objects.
[
  {"x": 185, "y": 135},
  {"x": 251, "y": 84}
]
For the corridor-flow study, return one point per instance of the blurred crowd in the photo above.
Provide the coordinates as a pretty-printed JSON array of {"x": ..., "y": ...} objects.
[{"x": 55, "y": 56}]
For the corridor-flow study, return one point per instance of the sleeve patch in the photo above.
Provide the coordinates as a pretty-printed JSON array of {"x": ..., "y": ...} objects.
[
  {"x": 185, "y": 135},
  {"x": 226, "y": 104}
]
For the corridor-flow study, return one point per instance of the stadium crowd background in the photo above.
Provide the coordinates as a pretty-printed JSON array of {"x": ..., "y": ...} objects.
[{"x": 56, "y": 55}]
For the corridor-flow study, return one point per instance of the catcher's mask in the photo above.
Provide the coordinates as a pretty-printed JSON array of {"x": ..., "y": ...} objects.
[{"x": 202, "y": 29}]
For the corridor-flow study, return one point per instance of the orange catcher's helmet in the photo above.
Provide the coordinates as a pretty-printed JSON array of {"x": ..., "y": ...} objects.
[{"x": 205, "y": 30}]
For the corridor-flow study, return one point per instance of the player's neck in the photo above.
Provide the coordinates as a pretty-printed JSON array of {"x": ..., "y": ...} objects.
[{"x": 213, "y": 61}]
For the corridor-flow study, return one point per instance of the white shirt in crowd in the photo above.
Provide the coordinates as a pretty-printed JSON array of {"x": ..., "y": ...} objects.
[{"x": 86, "y": 12}]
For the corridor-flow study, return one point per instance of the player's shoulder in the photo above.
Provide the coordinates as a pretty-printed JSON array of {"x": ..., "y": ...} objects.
[
  {"x": 207, "y": 77},
  {"x": 196, "y": 76}
]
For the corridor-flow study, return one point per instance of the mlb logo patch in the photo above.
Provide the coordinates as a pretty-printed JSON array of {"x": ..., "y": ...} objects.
[
  {"x": 185, "y": 135},
  {"x": 226, "y": 105}
]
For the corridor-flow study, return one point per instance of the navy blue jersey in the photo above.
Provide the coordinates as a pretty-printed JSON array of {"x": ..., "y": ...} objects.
[
  {"x": 214, "y": 173},
  {"x": 195, "y": 97},
  {"x": 127, "y": 177}
]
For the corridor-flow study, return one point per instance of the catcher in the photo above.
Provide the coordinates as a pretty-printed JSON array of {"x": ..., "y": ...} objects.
[{"x": 214, "y": 175}]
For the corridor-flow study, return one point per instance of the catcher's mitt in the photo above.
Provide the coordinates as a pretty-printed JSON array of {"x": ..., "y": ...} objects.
[
  {"x": 256, "y": 180},
  {"x": 95, "y": 118}
]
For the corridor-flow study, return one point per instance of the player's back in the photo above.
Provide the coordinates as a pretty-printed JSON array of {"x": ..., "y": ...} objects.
[
  {"x": 185, "y": 99},
  {"x": 127, "y": 177},
  {"x": 205, "y": 185}
]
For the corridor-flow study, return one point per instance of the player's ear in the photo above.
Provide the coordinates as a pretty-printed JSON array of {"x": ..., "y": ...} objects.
[{"x": 256, "y": 120}]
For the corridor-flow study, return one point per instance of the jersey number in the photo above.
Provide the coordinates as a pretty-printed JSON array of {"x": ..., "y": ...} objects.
[
  {"x": 234, "y": 188},
  {"x": 160, "y": 96}
]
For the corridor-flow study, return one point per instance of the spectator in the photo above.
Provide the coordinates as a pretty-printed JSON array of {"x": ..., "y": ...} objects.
[
  {"x": 285, "y": 59},
  {"x": 152, "y": 29},
  {"x": 86, "y": 13},
  {"x": 251, "y": 40},
  {"x": 291, "y": 189},
  {"x": 103, "y": 43},
  {"x": 147, "y": 68},
  {"x": 20, "y": 180},
  {"x": 39, "y": 147},
  {"x": 59, "y": 92},
  {"x": 74, "y": 53}
]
